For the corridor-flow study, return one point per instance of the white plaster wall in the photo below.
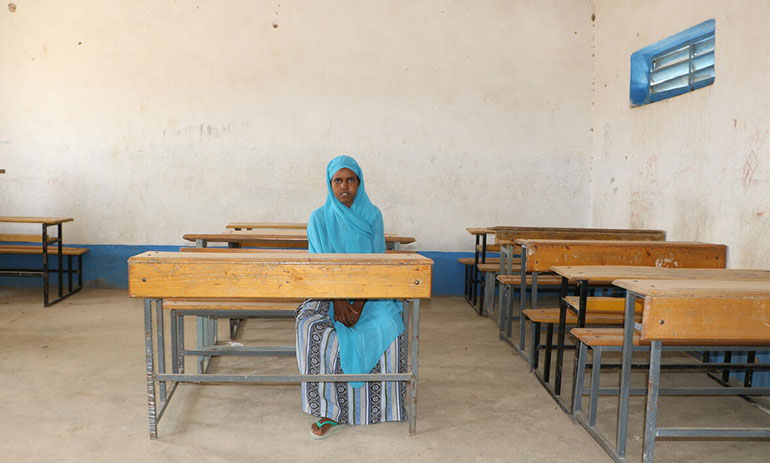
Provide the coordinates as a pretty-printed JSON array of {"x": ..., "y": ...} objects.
[
  {"x": 145, "y": 120},
  {"x": 696, "y": 165}
]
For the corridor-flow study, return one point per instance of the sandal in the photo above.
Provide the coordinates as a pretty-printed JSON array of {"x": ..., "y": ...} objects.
[{"x": 327, "y": 433}]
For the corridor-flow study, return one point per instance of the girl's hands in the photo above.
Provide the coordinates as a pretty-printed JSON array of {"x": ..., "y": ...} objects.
[{"x": 347, "y": 313}]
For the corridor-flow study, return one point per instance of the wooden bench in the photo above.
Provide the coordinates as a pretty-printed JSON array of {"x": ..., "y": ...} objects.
[
  {"x": 50, "y": 244},
  {"x": 600, "y": 311},
  {"x": 156, "y": 276},
  {"x": 25, "y": 238},
  {"x": 38, "y": 250},
  {"x": 680, "y": 315}
]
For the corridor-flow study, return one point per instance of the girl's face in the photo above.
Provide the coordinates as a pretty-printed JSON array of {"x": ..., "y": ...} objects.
[{"x": 344, "y": 186}]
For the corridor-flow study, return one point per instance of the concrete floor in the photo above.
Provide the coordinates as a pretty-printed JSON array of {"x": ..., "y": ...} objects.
[{"x": 73, "y": 387}]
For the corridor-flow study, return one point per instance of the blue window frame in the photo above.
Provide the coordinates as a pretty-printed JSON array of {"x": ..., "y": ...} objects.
[{"x": 678, "y": 64}]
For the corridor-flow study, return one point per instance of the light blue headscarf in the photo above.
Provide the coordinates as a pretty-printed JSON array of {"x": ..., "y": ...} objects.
[{"x": 336, "y": 228}]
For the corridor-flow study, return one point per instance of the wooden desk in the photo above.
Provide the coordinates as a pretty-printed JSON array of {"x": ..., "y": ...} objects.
[
  {"x": 538, "y": 256},
  {"x": 158, "y": 275},
  {"x": 281, "y": 238},
  {"x": 585, "y": 276},
  {"x": 46, "y": 240},
  {"x": 695, "y": 312}
]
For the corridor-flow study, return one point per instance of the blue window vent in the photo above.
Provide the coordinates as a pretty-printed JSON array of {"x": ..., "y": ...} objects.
[{"x": 678, "y": 64}]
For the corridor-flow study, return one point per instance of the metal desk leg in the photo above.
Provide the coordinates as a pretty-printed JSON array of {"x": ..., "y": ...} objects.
[
  {"x": 502, "y": 271},
  {"x": 414, "y": 341},
  {"x": 653, "y": 384},
  {"x": 69, "y": 273},
  {"x": 180, "y": 344},
  {"x": 474, "y": 272},
  {"x": 548, "y": 350},
  {"x": 728, "y": 357},
  {"x": 534, "y": 342},
  {"x": 60, "y": 260},
  {"x": 595, "y": 372},
  {"x": 46, "y": 279},
  {"x": 625, "y": 375},
  {"x": 522, "y": 288},
  {"x": 581, "y": 323},
  {"x": 160, "y": 336},
  {"x": 150, "y": 368},
  {"x": 174, "y": 341},
  {"x": 483, "y": 261},
  {"x": 489, "y": 292},
  {"x": 560, "y": 336},
  {"x": 505, "y": 309},
  {"x": 750, "y": 358},
  {"x": 200, "y": 341},
  {"x": 532, "y": 305},
  {"x": 577, "y": 391}
]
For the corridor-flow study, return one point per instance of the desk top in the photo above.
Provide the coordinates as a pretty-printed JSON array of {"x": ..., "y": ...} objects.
[
  {"x": 509, "y": 235},
  {"x": 45, "y": 220},
  {"x": 697, "y": 288},
  {"x": 289, "y": 258},
  {"x": 577, "y": 229},
  {"x": 274, "y": 234},
  {"x": 609, "y": 273},
  {"x": 480, "y": 231},
  {"x": 281, "y": 225},
  {"x": 616, "y": 243}
]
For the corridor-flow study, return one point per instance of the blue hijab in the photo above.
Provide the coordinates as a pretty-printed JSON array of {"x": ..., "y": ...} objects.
[{"x": 336, "y": 228}]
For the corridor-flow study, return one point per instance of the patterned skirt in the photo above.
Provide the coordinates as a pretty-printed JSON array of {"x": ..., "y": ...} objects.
[{"x": 318, "y": 353}]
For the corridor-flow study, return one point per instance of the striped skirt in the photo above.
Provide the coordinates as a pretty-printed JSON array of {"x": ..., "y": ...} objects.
[{"x": 318, "y": 353}]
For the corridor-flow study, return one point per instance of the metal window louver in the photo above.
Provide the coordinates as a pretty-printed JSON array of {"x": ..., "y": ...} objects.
[
  {"x": 675, "y": 65},
  {"x": 683, "y": 67}
]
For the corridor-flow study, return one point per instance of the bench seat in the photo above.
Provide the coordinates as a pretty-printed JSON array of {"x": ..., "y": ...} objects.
[
  {"x": 489, "y": 247},
  {"x": 36, "y": 250},
  {"x": 551, "y": 316},
  {"x": 233, "y": 304},
  {"x": 472, "y": 260},
  {"x": 25, "y": 238},
  {"x": 491, "y": 266},
  {"x": 615, "y": 305},
  {"x": 613, "y": 337},
  {"x": 542, "y": 280}
]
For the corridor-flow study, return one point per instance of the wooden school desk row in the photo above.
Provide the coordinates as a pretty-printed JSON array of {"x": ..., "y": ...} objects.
[
  {"x": 640, "y": 260},
  {"x": 45, "y": 245},
  {"x": 505, "y": 238},
  {"x": 688, "y": 310},
  {"x": 272, "y": 235},
  {"x": 158, "y": 276}
]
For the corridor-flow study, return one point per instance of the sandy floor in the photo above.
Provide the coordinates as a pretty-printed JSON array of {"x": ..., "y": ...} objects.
[{"x": 73, "y": 387}]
